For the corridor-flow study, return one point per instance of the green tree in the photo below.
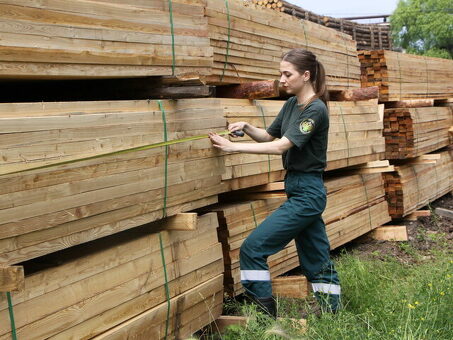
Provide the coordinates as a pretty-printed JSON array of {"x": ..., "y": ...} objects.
[{"x": 424, "y": 27}]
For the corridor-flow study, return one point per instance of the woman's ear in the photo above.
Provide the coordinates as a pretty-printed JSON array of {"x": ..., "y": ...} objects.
[{"x": 306, "y": 76}]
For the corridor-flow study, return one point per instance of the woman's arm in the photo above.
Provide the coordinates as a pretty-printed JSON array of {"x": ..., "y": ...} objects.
[
  {"x": 257, "y": 134},
  {"x": 276, "y": 147}
]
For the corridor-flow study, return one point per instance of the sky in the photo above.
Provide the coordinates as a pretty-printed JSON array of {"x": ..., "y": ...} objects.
[{"x": 347, "y": 8}]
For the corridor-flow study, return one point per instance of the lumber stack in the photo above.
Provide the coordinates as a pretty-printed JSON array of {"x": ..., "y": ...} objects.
[
  {"x": 419, "y": 182},
  {"x": 355, "y": 137},
  {"x": 102, "y": 39},
  {"x": 355, "y": 205},
  {"x": 411, "y": 132},
  {"x": 51, "y": 208},
  {"x": 249, "y": 41},
  {"x": 368, "y": 36},
  {"x": 114, "y": 287},
  {"x": 403, "y": 76}
]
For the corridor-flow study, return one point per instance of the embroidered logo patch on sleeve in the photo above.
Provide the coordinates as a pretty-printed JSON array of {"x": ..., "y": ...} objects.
[{"x": 306, "y": 126}]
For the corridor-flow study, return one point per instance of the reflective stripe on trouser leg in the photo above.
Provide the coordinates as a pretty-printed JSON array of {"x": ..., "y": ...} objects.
[
  {"x": 271, "y": 236},
  {"x": 313, "y": 249}
]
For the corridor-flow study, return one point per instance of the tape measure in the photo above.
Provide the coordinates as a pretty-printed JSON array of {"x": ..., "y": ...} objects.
[{"x": 119, "y": 152}]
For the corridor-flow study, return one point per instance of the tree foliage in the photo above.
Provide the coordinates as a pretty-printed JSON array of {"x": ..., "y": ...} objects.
[{"x": 424, "y": 27}]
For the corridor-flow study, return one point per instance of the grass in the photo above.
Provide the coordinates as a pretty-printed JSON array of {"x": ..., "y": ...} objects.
[{"x": 382, "y": 300}]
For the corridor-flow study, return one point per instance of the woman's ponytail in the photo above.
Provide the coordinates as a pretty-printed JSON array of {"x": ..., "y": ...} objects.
[{"x": 320, "y": 83}]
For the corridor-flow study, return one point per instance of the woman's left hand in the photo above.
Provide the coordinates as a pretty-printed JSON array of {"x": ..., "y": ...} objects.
[{"x": 221, "y": 143}]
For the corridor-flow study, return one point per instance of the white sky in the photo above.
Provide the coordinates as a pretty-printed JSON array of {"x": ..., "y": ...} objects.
[{"x": 347, "y": 8}]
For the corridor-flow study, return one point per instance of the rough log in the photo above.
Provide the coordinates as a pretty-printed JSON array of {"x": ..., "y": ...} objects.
[
  {"x": 252, "y": 90},
  {"x": 365, "y": 93}
]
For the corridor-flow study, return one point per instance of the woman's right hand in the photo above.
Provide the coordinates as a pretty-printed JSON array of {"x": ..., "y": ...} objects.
[{"x": 238, "y": 126}]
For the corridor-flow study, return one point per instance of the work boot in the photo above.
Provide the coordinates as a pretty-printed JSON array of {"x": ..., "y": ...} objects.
[
  {"x": 329, "y": 303},
  {"x": 266, "y": 305}
]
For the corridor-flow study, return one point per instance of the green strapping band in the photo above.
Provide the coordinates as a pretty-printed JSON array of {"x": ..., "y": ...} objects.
[
  {"x": 418, "y": 186},
  {"x": 345, "y": 133},
  {"x": 367, "y": 200},
  {"x": 167, "y": 289},
  {"x": 347, "y": 58},
  {"x": 11, "y": 316},
  {"x": 172, "y": 30},
  {"x": 260, "y": 107},
  {"x": 305, "y": 34},
  {"x": 228, "y": 40},
  {"x": 254, "y": 216},
  {"x": 164, "y": 121}
]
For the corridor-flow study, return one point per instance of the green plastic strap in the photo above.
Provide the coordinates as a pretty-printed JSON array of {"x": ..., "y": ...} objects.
[
  {"x": 305, "y": 33},
  {"x": 228, "y": 40},
  {"x": 172, "y": 30},
  {"x": 347, "y": 58},
  {"x": 164, "y": 120},
  {"x": 167, "y": 289},
  {"x": 253, "y": 213},
  {"x": 345, "y": 133},
  {"x": 417, "y": 120},
  {"x": 367, "y": 200},
  {"x": 260, "y": 107},
  {"x": 11, "y": 316}
]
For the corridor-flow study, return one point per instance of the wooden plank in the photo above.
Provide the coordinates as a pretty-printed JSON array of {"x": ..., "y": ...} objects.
[
  {"x": 12, "y": 278},
  {"x": 389, "y": 233},
  {"x": 444, "y": 212},
  {"x": 290, "y": 287},
  {"x": 224, "y": 321},
  {"x": 181, "y": 221}
]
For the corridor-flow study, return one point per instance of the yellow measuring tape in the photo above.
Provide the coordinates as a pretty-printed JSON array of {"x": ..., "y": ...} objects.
[{"x": 119, "y": 152}]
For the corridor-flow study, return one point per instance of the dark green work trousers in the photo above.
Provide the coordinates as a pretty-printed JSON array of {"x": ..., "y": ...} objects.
[{"x": 298, "y": 218}]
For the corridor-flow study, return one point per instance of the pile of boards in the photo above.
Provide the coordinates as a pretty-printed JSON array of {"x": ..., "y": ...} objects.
[
  {"x": 416, "y": 92},
  {"x": 355, "y": 205},
  {"x": 47, "y": 208},
  {"x": 221, "y": 43},
  {"x": 102, "y": 39},
  {"x": 414, "y": 185},
  {"x": 115, "y": 288},
  {"x": 402, "y": 76},
  {"x": 249, "y": 42},
  {"x": 367, "y": 36},
  {"x": 413, "y": 131}
]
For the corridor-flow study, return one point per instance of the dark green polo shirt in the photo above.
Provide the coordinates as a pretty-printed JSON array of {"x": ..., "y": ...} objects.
[{"x": 307, "y": 128}]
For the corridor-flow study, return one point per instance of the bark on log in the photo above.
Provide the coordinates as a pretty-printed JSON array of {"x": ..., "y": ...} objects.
[
  {"x": 365, "y": 93},
  {"x": 252, "y": 90}
]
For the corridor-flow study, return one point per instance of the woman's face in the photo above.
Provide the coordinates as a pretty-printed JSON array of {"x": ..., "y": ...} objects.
[{"x": 291, "y": 80}]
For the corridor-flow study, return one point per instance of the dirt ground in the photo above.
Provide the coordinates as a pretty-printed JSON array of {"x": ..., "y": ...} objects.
[{"x": 424, "y": 235}]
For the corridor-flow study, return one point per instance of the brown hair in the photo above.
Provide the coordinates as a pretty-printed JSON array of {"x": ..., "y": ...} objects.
[{"x": 304, "y": 60}]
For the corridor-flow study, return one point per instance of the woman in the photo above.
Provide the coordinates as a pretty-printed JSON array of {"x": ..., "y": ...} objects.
[{"x": 299, "y": 134}]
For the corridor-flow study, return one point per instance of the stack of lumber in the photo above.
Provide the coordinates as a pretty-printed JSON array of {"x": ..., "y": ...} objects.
[
  {"x": 411, "y": 132},
  {"x": 249, "y": 41},
  {"x": 418, "y": 183},
  {"x": 102, "y": 38},
  {"x": 114, "y": 288},
  {"x": 47, "y": 209},
  {"x": 355, "y": 205},
  {"x": 355, "y": 137},
  {"x": 403, "y": 76},
  {"x": 368, "y": 36}
]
